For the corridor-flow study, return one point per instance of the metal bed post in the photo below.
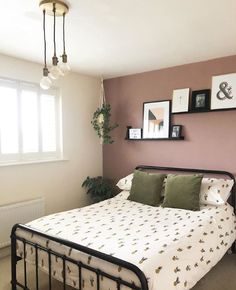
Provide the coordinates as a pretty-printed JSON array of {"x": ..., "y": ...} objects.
[
  {"x": 233, "y": 201},
  {"x": 13, "y": 259}
]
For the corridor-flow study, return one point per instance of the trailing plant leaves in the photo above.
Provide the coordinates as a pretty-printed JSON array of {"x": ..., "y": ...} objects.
[
  {"x": 103, "y": 128},
  {"x": 98, "y": 188}
]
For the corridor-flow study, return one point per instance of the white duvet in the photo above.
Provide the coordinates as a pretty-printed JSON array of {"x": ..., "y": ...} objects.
[{"x": 174, "y": 248}]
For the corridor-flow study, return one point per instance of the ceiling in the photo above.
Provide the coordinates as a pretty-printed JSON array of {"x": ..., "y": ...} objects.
[{"x": 120, "y": 37}]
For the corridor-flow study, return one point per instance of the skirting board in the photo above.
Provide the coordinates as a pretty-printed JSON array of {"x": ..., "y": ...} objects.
[{"x": 4, "y": 252}]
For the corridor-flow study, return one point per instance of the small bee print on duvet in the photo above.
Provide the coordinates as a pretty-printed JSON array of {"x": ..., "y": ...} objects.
[
  {"x": 158, "y": 270},
  {"x": 176, "y": 282}
]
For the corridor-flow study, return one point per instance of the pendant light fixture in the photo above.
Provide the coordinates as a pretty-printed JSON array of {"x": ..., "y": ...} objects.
[
  {"x": 64, "y": 66},
  {"x": 45, "y": 82},
  {"x": 55, "y": 72},
  {"x": 54, "y": 8}
]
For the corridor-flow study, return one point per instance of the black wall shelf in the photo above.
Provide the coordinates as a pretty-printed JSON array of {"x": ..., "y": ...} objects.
[
  {"x": 177, "y": 113},
  {"x": 180, "y": 113},
  {"x": 204, "y": 111},
  {"x": 157, "y": 139}
]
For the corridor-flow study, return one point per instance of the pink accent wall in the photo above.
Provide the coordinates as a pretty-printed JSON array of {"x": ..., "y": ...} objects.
[{"x": 210, "y": 138}]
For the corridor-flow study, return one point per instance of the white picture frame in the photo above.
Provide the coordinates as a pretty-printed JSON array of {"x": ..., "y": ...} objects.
[
  {"x": 156, "y": 119},
  {"x": 180, "y": 100},
  {"x": 135, "y": 133},
  {"x": 223, "y": 92}
]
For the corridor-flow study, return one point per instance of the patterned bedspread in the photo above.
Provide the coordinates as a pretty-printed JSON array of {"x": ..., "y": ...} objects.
[{"x": 174, "y": 248}]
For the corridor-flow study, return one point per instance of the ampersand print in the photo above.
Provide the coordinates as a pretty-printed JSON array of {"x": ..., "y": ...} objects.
[{"x": 225, "y": 91}]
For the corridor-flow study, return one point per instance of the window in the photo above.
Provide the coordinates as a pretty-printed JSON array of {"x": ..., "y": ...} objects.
[{"x": 29, "y": 122}]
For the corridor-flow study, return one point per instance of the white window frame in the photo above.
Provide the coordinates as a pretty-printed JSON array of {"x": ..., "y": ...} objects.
[{"x": 40, "y": 156}]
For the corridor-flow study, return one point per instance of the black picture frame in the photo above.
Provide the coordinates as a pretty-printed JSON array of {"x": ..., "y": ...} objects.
[
  {"x": 168, "y": 103},
  {"x": 201, "y": 101},
  {"x": 176, "y": 131}
]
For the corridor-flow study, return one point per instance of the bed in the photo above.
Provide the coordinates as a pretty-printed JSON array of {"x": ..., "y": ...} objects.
[{"x": 120, "y": 244}]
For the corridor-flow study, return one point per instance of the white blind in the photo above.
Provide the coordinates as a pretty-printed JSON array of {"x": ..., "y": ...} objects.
[{"x": 29, "y": 122}]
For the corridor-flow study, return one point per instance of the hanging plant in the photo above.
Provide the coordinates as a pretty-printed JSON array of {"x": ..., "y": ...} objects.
[
  {"x": 101, "y": 123},
  {"x": 101, "y": 120}
]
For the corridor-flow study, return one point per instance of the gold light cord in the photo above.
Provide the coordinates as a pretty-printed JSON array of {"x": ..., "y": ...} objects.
[
  {"x": 54, "y": 28},
  {"x": 44, "y": 36}
]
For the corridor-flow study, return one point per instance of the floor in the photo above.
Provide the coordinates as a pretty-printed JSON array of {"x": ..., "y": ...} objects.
[{"x": 221, "y": 277}]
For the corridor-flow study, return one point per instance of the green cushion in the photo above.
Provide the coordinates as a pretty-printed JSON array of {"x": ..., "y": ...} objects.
[
  {"x": 182, "y": 191},
  {"x": 146, "y": 188}
]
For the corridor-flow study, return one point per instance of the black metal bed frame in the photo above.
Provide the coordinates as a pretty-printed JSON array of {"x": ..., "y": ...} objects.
[{"x": 93, "y": 253}]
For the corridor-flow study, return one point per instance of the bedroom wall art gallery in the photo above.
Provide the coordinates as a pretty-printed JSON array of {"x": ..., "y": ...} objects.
[
  {"x": 157, "y": 115},
  {"x": 204, "y": 133}
]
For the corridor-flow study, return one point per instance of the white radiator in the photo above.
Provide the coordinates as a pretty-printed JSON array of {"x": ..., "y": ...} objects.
[{"x": 21, "y": 212}]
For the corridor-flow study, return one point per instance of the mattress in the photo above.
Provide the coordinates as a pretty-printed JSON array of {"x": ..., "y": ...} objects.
[{"x": 174, "y": 248}]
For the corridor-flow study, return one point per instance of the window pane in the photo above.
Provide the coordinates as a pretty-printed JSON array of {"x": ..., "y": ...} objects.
[
  {"x": 48, "y": 118},
  {"x": 29, "y": 118},
  {"x": 8, "y": 120}
]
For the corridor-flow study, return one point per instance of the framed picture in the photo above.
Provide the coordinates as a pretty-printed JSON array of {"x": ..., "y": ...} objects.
[
  {"x": 156, "y": 119},
  {"x": 180, "y": 100},
  {"x": 200, "y": 100},
  {"x": 223, "y": 92},
  {"x": 176, "y": 131},
  {"x": 135, "y": 133}
]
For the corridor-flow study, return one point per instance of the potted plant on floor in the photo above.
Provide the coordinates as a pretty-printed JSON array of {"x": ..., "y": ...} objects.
[{"x": 99, "y": 188}]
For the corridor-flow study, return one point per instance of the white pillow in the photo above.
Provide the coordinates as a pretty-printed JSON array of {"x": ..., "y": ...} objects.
[
  {"x": 125, "y": 183},
  {"x": 215, "y": 191},
  {"x": 122, "y": 195}
]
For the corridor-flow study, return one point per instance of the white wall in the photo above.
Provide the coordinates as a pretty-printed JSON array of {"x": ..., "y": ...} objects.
[{"x": 59, "y": 182}]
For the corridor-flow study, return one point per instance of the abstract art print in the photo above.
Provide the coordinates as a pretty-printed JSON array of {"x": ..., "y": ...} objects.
[
  {"x": 223, "y": 92},
  {"x": 156, "y": 119}
]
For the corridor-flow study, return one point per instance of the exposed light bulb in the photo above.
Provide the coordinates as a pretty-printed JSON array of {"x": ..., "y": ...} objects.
[
  {"x": 65, "y": 68},
  {"x": 55, "y": 72},
  {"x": 45, "y": 83},
  {"x": 100, "y": 118}
]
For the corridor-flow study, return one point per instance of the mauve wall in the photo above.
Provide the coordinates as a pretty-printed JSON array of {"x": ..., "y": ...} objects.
[{"x": 210, "y": 138}]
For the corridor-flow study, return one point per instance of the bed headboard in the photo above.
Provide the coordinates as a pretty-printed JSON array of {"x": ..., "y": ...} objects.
[{"x": 193, "y": 170}]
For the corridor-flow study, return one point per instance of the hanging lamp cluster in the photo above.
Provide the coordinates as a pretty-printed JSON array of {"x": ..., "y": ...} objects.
[{"x": 54, "y": 8}]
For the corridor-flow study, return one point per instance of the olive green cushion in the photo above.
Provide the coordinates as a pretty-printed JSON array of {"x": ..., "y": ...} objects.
[
  {"x": 146, "y": 188},
  {"x": 182, "y": 191}
]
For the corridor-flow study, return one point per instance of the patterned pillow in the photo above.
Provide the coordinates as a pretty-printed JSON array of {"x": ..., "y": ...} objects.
[
  {"x": 215, "y": 191},
  {"x": 164, "y": 186},
  {"x": 122, "y": 195},
  {"x": 125, "y": 183}
]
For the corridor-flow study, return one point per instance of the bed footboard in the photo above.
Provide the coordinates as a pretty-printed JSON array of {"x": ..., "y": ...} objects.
[{"x": 119, "y": 282}]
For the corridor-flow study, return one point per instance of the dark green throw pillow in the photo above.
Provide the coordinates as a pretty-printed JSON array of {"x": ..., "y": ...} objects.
[
  {"x": 146, "y": 188},
  {"x": 182, "y": 191}
]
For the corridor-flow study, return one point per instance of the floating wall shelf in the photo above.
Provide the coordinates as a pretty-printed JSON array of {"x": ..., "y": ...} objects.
[
  {"x": 182, "y": 137},
  {"x": 204, "y": 111},
  {"x": 157, "y": 139}
]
